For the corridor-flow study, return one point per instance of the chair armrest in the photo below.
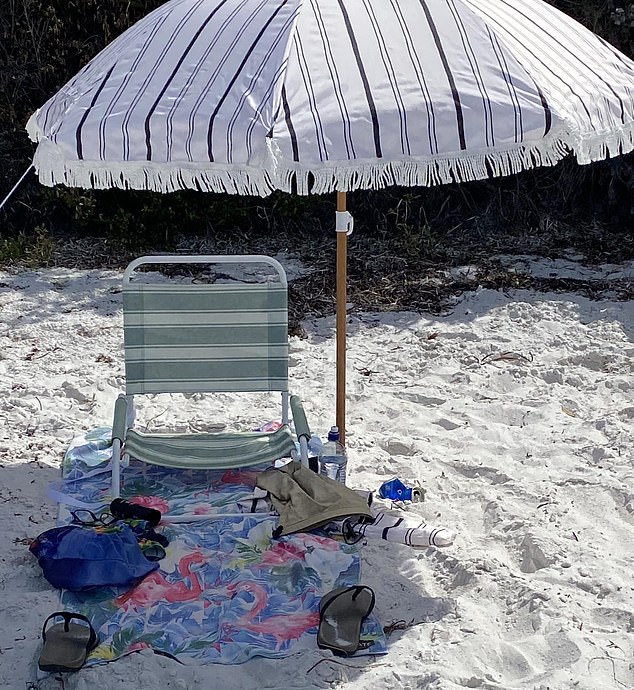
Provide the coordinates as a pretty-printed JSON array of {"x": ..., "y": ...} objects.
[
  {"x": 120, "y": 418},
  {"x": 299, "y": 418}
]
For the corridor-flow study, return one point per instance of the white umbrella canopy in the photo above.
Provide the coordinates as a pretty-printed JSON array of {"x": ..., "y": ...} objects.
[
  {"x": 249, "y": 96},
  {"x": 252, "y": 96}
]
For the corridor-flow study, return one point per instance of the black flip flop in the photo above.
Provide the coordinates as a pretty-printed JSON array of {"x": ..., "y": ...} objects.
[
  {"x": 341, "y": 613},
  {"x": 66, "y": 645}
]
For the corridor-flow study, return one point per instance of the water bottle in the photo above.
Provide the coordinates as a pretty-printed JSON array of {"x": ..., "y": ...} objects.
[{"x": 332, "y": 458}]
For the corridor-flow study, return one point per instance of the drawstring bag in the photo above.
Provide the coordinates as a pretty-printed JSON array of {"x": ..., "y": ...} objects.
[{"x": 79, "y": 558}]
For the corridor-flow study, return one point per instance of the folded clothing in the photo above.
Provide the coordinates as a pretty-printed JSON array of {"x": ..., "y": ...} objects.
[{"x": 305, "y": 500}]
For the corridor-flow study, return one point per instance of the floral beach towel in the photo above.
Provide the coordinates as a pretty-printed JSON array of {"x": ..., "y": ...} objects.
[{"x": 226, "y": 591}]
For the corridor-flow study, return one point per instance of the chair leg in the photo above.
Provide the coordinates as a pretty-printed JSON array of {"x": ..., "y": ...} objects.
[
  {"x": 303, "y": 450},
  {"x": 116, "y": 468},
  {"x": 123, "y": 408}
]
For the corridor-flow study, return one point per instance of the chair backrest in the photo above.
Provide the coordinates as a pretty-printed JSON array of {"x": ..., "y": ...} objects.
[{"x": 205, "y": 336}]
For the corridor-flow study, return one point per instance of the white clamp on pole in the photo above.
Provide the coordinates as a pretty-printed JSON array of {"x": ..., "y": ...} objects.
[{"x": 344, "y": 222}]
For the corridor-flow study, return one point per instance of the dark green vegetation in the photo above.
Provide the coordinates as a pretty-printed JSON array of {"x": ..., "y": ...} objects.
[{"x": 402, "y": 236}]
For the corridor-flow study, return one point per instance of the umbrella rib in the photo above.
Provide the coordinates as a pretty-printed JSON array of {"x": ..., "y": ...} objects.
[
  {"x": 420, "y": 77},
  {"x": 494, "y": 21},
  {"x": 450, "y": 77},
  {"x": 235, "y": 77},
  {"x": 364, "y": 79},
  {"x": 477, "y": 74},
  {"x": 390, "y": 72},
  {"x": 201, "y": 28},
  {"x": 508, "y": 79},
  {"x": 335, "y": 79},
  {"x": 289, "y": 125},
  {"x": 84, "y": 117}
]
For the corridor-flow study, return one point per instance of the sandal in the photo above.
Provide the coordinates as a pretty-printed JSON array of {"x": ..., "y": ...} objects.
[
  {"x": 341, "y": 613},
  {"x": 66, "y": 645}
]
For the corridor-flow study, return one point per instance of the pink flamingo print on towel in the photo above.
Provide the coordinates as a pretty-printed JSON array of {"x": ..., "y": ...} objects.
[
  {"x": 155, "y": 587},
  {"x": 247, "y": 477},
  {"x": 284, "y": 552},
  {"x": 283, "y": 627},
  {"x": 281, "y": 553}
]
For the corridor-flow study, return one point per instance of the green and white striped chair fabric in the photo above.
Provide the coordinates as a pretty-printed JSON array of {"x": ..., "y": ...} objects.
[
  {"x": 205, "y": 337},
  {"x": 206, "y": 451}
]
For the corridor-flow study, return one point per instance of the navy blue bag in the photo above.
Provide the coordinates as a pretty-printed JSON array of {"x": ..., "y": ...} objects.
[{"x": 79, "y": 558}]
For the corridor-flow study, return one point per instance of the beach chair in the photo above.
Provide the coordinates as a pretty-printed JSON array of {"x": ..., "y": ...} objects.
[{"x": 204, "y": 336}]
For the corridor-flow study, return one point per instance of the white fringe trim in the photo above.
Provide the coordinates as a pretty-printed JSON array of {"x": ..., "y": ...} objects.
[
  {"x": 260, "y": 180},
  {"x": 33, "y": 128}
]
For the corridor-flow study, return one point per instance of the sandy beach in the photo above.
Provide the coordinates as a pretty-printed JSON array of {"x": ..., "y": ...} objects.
[{"x": 514, "y": 411}]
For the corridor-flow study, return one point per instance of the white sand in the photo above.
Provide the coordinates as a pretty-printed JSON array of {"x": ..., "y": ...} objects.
[{"x": 526, "y": 455}]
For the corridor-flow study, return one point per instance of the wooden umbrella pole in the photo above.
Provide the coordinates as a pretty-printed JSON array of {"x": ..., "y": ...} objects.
[{"x": 342, "y": 258}]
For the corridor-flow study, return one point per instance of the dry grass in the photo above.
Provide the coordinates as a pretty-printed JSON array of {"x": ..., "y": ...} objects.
[{"x": 396, "y": 270}]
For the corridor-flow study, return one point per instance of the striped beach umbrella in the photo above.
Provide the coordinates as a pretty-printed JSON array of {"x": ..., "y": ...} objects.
[{"x": 314, "y": 96}]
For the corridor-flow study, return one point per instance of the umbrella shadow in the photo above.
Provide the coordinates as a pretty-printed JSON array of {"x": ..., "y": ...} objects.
[
  {"x": 44, "y": 295},
  {"x": 401, "y": 596},
  {"x": 588, "y": 312},
  {"x": 27, "y": 598},
  {"x": 474, "y": 305}
]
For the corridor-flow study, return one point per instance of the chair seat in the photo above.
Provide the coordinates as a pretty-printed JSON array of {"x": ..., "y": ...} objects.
[{"x": 223, "y": 450}]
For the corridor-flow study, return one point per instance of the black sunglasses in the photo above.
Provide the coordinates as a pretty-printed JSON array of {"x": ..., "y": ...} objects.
[{"x": 86, "y": 517}]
